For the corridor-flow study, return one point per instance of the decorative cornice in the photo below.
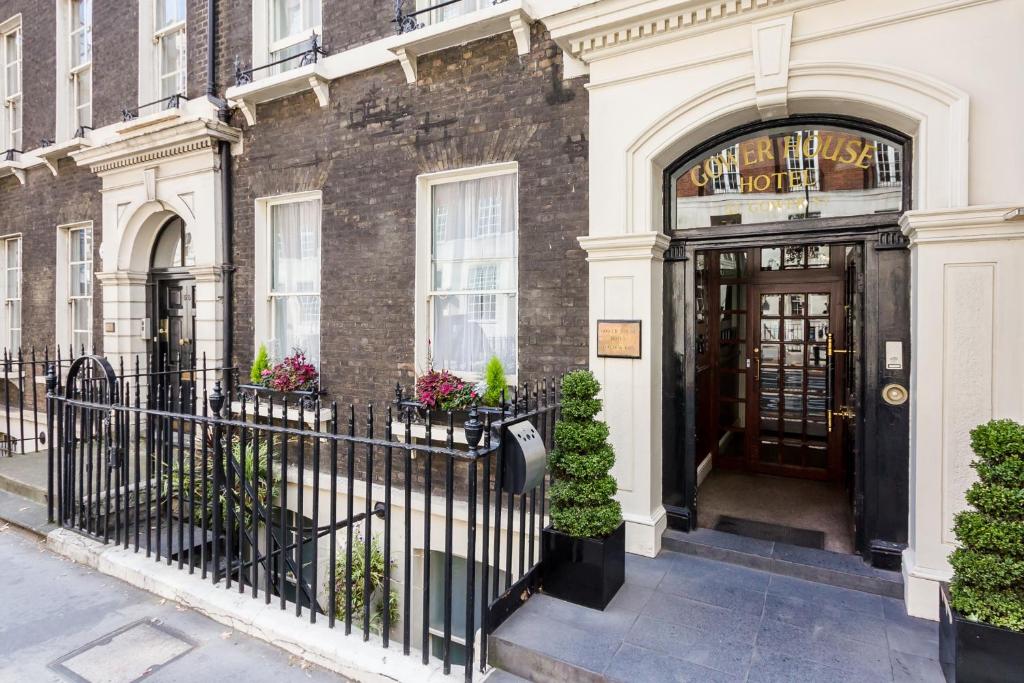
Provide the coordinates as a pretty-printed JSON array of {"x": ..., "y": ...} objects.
[
  {"x": 647, "y": 246},
  {"x": 169, "y": 139},
  {"x": 964, "y": 224},
  {"x": 590, "y": 31}
]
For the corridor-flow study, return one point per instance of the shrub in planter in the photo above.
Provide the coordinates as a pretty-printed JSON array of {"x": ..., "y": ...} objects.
[
  {"x": 584, "y": 559},
  {"x": 987, "y": 591},
  {"x": 495, "y": 384},
  {"x": 294, "y": 373},
  {"x": 442, "y": 390},
  {"x": 376, "y": 598},
  {"x": 260, "y": 365}
]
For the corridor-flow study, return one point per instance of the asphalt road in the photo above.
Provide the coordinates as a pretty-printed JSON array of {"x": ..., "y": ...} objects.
[{"x": 60, "y": 621}]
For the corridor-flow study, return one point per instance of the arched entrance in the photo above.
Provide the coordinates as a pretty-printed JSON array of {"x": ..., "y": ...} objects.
[{"x": 786, "y": 284}]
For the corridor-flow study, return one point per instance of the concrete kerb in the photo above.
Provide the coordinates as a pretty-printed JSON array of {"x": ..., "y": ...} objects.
[{"x": 350, "y": 656}]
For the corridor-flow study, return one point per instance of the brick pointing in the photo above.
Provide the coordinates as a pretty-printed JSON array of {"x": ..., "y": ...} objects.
[{"x": 476, "y": 104}]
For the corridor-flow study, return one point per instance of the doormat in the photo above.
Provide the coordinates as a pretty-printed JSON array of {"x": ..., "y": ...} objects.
[{"x": 807, "y": 538}]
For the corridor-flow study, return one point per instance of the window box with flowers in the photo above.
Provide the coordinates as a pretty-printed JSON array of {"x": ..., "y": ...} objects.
[{"x": 294, "y": 379}]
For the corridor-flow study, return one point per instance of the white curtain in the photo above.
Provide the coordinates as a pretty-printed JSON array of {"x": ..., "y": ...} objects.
[
  {"x": 295, "y": 279},
  {"x": 474, "y": 274}
]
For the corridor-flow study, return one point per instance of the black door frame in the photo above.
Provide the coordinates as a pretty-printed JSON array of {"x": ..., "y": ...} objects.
[{"x": 881, "y": 528}]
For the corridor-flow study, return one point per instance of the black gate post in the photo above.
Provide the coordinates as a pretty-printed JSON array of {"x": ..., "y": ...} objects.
[
  {"x": 216, "y": 404},
  {"x": 51, "y": 385}
]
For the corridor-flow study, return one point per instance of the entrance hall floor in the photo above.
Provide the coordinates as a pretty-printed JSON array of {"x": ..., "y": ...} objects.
[{"x": 684, "y": 618}]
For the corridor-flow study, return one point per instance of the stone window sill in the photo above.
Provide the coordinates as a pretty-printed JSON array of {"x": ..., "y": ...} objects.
[
  {"x": 513, "y": 15},
  {"x": 16, "y": 168}
]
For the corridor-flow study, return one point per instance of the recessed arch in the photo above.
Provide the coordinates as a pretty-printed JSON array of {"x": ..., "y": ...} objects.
[
  {"x": 931, "y": 113},
  {"x": 141, "y": 230}
]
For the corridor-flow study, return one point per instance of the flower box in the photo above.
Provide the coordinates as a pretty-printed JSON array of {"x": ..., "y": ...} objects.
[{"x": 305, "y": 398}]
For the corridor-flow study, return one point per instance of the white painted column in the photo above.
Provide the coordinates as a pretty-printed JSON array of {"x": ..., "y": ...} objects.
[
  {"x": 626, "y": 272},
  {"x": 209, "y": 312},
  {"x": 124, "y": 309},
  {"x": 967, "y": 330}
]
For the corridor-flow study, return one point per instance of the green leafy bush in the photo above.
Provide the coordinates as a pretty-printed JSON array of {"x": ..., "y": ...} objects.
[
  {"x": 988, "y": 582},
  {"x": 496, "y": 385},
  {"x": 582, "y": 496},
  {"x": 377, "y": 602},
  {"x": 259, "y": 366}
]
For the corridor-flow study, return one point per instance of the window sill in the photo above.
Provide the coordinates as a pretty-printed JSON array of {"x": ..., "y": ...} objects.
[
  {"x": 484, "y": 23},
  {"x": 16, "y": 168},
  {"x": 513, "y": 15},
  {"x": 54, "y": 153}
]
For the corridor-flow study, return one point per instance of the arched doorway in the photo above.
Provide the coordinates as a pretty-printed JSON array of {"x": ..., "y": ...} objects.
[
  {"x": 171, "y": 299},
  {"x": 787, "y": 311}
]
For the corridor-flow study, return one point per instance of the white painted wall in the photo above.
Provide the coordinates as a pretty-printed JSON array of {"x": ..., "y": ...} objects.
[{"x": 666, "y": 75}]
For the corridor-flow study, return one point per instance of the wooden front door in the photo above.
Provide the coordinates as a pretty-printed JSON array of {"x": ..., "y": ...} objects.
[
  {"x": 789, "y": 426},
  {"x": 175, "y": 347}
]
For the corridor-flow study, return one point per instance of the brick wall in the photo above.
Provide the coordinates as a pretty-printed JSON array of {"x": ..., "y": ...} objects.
[{"x": 473, "y": 105}]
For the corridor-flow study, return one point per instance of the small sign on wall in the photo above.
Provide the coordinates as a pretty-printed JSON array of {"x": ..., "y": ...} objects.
[{"x": 618, "y": 338}]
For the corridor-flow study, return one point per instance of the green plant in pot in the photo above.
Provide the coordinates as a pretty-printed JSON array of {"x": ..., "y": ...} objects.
[
  {"x": 495, "y": 383},
  {"x": 259, "y": 366},
  {"x": 584, "y": 549},
  {"x": 982, "y": 610},
  {"x": 377, "y": 601}
]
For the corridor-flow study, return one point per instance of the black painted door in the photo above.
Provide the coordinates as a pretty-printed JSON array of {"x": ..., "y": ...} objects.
[{"x": 175, "y": 347}]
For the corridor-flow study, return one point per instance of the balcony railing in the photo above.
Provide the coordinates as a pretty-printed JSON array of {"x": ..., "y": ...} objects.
[
  {"x": 410, "y": 21},
  {"x": 310, "y": 56},
  {"x": 170, "y": 102}
]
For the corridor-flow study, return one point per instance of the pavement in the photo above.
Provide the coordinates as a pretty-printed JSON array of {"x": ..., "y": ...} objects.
[
  {"x": 60, "y": 621},
  {"x": 684, "y": 618}
]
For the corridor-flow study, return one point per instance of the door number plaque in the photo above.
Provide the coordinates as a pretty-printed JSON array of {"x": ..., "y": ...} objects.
[{"x": 618, "y": 338}]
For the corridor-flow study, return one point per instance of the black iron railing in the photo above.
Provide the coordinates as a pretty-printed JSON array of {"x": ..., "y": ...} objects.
[
  {"x": 170, "y": 102},
  {"x": 410, "y": 21},
  {"x": 253, "y": 498},
  {"x": 9, "y": 154},
  {"x": 306, "y": 57}
]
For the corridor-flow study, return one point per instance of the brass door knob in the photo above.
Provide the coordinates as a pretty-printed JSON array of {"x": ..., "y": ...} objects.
[{"x": 845, "y": 412}]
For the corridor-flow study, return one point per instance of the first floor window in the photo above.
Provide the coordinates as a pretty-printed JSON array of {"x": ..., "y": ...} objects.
[
  {"x": 450, "y": 11},
  {"x": 473, "y": 295},
  {"x": 888, "y": 164},
  {"x": 80, "y": 287},
  {"x": 292, "y": 24},
  {"x": 294, "y": 278},
  {"x": 12, "y": 293},
  {"x": 802, "y": 159},
  {"x": 10, "y": 87},
  {"x": 727, "y": 165},
  {"x": 80, "y": 61},
  {"x": 170, "y": 38}
]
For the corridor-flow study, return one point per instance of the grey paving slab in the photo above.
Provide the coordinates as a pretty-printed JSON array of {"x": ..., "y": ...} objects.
[
  {"x": 912, "y": 669},
  {"x": 720, "y": 539},
  {"x": 699, "y": 567},
  {"x": 840, "y": 562},
  {"x": 613, "y": 623},
  {"x": 824, "y": 647},
  {"x": 702, "y": 616},
  {"x": 714, "y": 651},
  {"x": 631, "y": 598},
  {"x": 646, "y": 571},
  {"x": 840, "y": 598},
  {"x": 775, "y": 667},
  {"x": 918, "y": 637},
  {"x": 53, "y": 607},
  {"x": 862, "y": 626},
  {"x": 22, "y": 512},
  {"x": 633, "y": 664},
  {"x": 560, "y": 641},
  {"x": 719, "y": 591}
]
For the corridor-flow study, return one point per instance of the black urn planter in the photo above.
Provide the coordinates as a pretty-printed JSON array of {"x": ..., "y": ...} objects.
[
  {"x": 975, "y": 652},
  {"x": 584, "y": 571}
]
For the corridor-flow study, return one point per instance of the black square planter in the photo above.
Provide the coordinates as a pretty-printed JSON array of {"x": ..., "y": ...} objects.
[
  {"x": 974, "y": 652},
  {"x": 584, "y": 571}
]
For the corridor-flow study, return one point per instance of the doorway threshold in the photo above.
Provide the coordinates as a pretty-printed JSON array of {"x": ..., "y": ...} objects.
[{"x": 811, "y": 564}]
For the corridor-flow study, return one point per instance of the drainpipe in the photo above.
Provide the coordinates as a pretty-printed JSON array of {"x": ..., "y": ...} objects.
[{"x": 226, "y": 192}]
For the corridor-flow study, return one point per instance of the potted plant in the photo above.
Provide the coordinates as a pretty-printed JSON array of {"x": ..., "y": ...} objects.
[
  {"x": 376, "y": 600},
  {"x": 495, "y": 389},
  {"x": 981, "y": 633},
  {"x": 441, "y": 390},
  {"x": 294, "y": 377},
  {"x": 584, "y": 549}
]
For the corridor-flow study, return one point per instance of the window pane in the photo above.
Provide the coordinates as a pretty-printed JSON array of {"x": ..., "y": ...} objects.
[
  {"x": 81, "y": 278},
  {"x": 469, "y": 329},
  {"x": 294, "y": 18},
  {"x": 172, "y": 64},
  {"x": 169, "y": 12},
  {"x": 296, "y": 327},
  {"x": 81, "y": 317},
  {"x": 295, "y": 247}
]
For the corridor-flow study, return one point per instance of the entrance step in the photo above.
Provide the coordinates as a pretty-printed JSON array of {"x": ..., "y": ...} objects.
[
  {"x": 24, "y": 475},
  {"x": 820, "y": 566},
  {"x": 24, "y": 513}
]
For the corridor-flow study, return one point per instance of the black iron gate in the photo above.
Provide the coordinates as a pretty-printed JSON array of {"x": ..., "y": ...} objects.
[{"x": 255, "y": 493}]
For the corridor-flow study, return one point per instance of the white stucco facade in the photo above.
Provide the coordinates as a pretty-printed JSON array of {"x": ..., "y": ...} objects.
[{"x": 666, "y": 75}]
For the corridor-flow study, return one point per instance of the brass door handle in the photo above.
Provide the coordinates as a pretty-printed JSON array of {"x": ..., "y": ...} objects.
[
  {"x": 845, "y": 412},
  {"x": 757, "y": 363}
]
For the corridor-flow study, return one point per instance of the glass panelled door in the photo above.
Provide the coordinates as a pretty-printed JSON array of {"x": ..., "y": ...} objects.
[{"x": 792, "y": 434}]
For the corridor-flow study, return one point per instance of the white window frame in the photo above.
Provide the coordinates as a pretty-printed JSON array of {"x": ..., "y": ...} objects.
[
  {"x": 802, "y": 162},
  {"x": 449, "y": 12},
  {"x": 888, "y": 163},
  {"x": 263, "y": 45},
  {"x": 65, "y": 329},
  {"x": 150, "y": 64},
  {"x": 11, "y": 137},
  {"x": 263, "y": 320},
  {"x": 424, "y": 225},
  {"x": 6, "y": 330},
  {"x": 69, "y": 118},
  {"x": 729, "y": 179}
]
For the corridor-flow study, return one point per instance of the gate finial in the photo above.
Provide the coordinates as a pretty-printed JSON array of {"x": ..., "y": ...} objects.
[{"x": 51, "y": 379}]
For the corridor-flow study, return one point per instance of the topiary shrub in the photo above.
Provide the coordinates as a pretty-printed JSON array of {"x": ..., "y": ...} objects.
[
  {"x": 582, "y": 503},
  {"x": 988, "y": 567},
  {"x": 259, "y": 366},
  {"x": 494, "y": 382}
]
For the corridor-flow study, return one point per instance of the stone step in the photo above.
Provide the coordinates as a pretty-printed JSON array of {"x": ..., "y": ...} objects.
[
  {"x": 24, "y": 513},
  {"x": 500, "y": 676},
  {"x": 810, "y": 564},
  {"x": 25, "y": 476}
]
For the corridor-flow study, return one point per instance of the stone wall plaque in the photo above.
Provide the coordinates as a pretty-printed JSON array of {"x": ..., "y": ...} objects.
[{"x": 618, "y": 338}]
